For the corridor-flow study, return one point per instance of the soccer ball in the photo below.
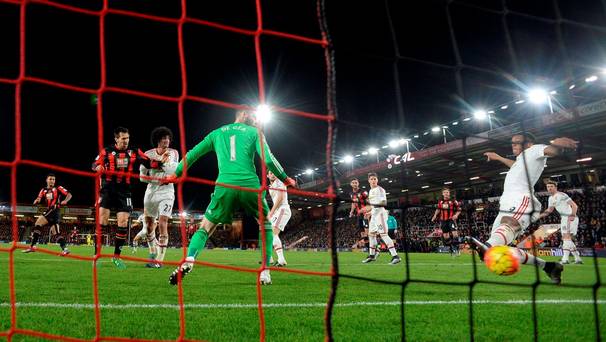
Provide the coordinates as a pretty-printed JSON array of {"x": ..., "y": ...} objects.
[{"x": 501, "y": 260}]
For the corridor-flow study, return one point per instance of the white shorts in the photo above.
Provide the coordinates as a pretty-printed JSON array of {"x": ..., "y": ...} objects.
[
  {"x": 158, "y": 204},
  {"x": 378, "y": 223},
  {"x": 524, "y": 209},
  {"x": 569, "y": 227},
  {"x": 280, "y": 218}
]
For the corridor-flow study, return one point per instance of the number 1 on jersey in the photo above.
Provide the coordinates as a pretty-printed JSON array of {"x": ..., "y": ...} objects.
[{"x": 232, "y": 148}]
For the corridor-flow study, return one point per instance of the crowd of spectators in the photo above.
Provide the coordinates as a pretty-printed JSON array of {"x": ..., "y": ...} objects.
[{"x": 419, "y": 233}]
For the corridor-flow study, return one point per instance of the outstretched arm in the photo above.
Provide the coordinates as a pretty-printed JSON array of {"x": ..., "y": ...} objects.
[
  {"x": 272, "y": 163},
  {"x": 547, "y": 212},
  {"x": 559, "y": 144},
  {"x": 202, "y": 148},
  {"x": 493, "y": 156}
]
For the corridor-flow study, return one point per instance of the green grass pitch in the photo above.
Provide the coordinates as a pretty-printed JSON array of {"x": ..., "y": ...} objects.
[{"x": 55, "y": 296}]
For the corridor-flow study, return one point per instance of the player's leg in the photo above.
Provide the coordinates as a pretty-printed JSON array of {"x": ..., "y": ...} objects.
[
  {"x": 249, "y": 201},
  {"x": 455, "y": 241},
  {"x": 166, "y": 208},
  {"x": 574, "y": 226},
  {"x": 383, "y": 232},
  {"x": 373, "y": 231},
  {"x": 123, "y": 218},
  {"x": 40, "y": 222},
  {"x": 104, "y": 223},
  {"x": 279, "y": 221},
  {"x": 220, "y": 209},
  {"x": 56, "y": 232}
]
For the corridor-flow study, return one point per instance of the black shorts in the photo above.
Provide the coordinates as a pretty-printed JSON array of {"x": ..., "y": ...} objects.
[
  {"x": 115, "y": 201},
  {"x": 448, "y": 226},
  {"x": 362, "y": 223},
  {"x": 53, "y": 216}
]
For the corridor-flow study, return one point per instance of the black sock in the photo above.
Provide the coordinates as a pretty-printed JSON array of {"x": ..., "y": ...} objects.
[
  {"x": 36, "y": 236},
  {"x": 104, "y": 228},
  {"x": 121, "y": 234},
  {"x": 61, "y": 241}
]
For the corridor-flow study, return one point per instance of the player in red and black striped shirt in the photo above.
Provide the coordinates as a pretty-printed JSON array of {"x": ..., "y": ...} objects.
[
  {"x": 55, "y": 197},
  {"x": 448, "y": 211},
  {"x": 118, "y": 163}
]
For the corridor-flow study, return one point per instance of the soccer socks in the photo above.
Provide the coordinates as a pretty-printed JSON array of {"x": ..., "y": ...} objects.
[
  {"x": 269, "y": 239},
  {"x": 197, "y": 243},
  {"x": 372, "y": 245},
  {"x": 36, "y": 236},
  {"x": 390, "y": 245},
  {"x": 104, "y": 227},
  {"x": 570, "y": 248},
  {"x": 502, "y": 236},
  {"x": 527, "y": 258},
  {"x": 279, "y": 250},
  {"x": 152, "y": 243},
  {"x": 61, "y": 241},
  {"x": 566, "y": 248},
  {"x": 162, "y": 244},
  {"x": 120, "y": 239}
]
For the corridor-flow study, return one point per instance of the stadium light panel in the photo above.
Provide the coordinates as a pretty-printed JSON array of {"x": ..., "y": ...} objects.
[
  {"x": 404, "y": 190},
  {"x": 480, "y": 114},
  {"x": 435, "y": 129},
  {"x": 445, "y": 127},
  {"x": 538, "y": 96},
  {"x": 403, "y": 141},
  {"x": 365, "y": 153},
  {"x": 519, "y": 101},
  {"x": 455, "y": 123},
  {"x": 586, "y": 159},
  {"x": 416, "y": 136},
  {"x": 348, "y": 159},
  {"x": 553, "y": 92},
  {"x": 503, "y": 173},
  {"x": 449, "y": 182},
  {"x": 491, "y": 112},
  {"x": 591, "y": 78},
  {"x": 263, "y": 113},
  {"x": 184, "y": 213},
  {"x": 425, "y": 187},
  {"x": 474, "y": 178},
  {"x": 317, "y": 168},
  {"x": 425, "y": 133},
  {"x": 394, "y": 144},
  {"x": 504, "y": 107},
  {"x": 466, "y": 119},
  {"x": 373, "y": 150},
  {"x": 571, "y": 87},
  {"x": 309, "y": 171}
]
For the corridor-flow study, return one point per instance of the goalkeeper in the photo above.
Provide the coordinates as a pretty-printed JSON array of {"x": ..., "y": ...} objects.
[{"x": 235, "y": 145}]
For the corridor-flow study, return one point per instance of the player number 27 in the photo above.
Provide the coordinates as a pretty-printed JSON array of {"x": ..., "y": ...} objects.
[{"x": 232, "y": 148}]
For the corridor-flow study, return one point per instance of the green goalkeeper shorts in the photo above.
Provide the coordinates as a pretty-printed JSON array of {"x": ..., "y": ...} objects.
[{"x": 224, "y": 201}]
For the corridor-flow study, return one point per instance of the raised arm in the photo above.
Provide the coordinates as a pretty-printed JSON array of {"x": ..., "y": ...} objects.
[{"x": 559, "y": 144}]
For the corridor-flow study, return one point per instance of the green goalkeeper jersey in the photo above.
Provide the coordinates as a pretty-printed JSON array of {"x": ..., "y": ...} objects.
[{"x": 235, "y": 145}]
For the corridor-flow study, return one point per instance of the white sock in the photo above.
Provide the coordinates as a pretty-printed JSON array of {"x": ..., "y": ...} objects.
[
  {"x": 389, "y": 243},
  {"x": 502, "y": 236},
  {"x": 162, "y": 243},
  {"x": 372, "y": 244},
  {"x": 152, "y": 243},
  {"x": 566, "y": 248},
  {"x": 279, "y": 250},
  {"x": 527, "y": 258},
  {"x": 574, "y": 251}
]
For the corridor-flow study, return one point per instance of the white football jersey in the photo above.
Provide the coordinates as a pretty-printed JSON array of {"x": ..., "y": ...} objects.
[
  {"x": 167, "y": 169},
  {"x": 525, "y": 171},
  {"x": 560, "y": 202},
  {"x": 273, "y": 192},
  {"x": 375, "y": 197}
]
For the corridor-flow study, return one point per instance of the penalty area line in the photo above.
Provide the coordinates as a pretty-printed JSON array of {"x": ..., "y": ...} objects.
[{"x": 299, "y": 305}]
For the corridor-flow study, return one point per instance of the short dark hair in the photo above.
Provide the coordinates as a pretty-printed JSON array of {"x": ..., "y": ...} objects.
[
  {"x": 446, "y": 188},
  {"x": 51, "y": 175},
  {"x": 353, "y": 179},
  {"x": 372, "y": 174},
  {"x": 119, "y": 130},
  {"x": 160, "y": 132},
  {"x": 552, "y": 182},
  {"x": 528, "y": 137}
]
